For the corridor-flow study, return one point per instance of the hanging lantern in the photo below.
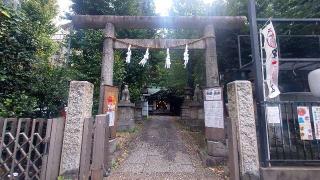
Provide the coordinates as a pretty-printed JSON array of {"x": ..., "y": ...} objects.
[
  {"x": 168, "y": 62},
  {"x": 186, "y": 56},
  {"x": 314, "y": 82},
  {"x": 128, "y": 58},
  {"x": 145, "y": 58}
]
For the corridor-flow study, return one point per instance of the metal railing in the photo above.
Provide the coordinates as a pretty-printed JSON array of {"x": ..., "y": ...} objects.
[
  {"x": 285, "y": 144},
  {"x": 293, "y": 49}
]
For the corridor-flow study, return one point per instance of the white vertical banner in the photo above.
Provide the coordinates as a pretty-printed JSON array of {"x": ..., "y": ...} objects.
[
  {"x": 272, "y": 60},
  {"x": 316, "y": 120}
]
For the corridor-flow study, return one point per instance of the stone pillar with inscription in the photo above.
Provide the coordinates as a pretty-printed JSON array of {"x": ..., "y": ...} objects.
[
  {"x": 79, "y": 107},
  {"x": 243, "y": 151}
]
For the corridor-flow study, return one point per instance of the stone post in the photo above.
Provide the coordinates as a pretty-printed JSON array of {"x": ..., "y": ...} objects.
[
  {"x": 79, "y": 107},
  {"x": 243, "y": 151},
  {"x": 195, "y": 123},
  {"x": 125, "y": 111},
  {"x": 126, "y": 116},
  {"x": 107, "y": 61},
  {"x": 138, "y": 111},
  {"x": 212, "y": 72},
  {"x": 185, "y": 107}
]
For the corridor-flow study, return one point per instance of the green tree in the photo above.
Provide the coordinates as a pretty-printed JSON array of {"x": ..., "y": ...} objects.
[
  {"x": 30, "y": 85},
  {"x": 86, "y": 65}
]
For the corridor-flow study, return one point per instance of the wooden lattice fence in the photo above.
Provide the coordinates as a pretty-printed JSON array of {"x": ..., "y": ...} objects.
[{"x": 30, "y": 148}]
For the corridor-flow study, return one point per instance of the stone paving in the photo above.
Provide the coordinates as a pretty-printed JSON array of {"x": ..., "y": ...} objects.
[{"x": 160, "y": 153}]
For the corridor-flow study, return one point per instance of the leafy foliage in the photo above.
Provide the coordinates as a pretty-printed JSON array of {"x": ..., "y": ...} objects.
[
  {"x": 87, "y": 64},
  {"x": 30, "y": 85}
]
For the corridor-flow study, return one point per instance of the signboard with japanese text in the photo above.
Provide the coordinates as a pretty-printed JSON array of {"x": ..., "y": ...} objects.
[
  {"x": 273, "y": 114},
  {"x": 213, "y": 112},
  {"x": 213, "y": 94},
  {"x": 304, "y": 123},
  {"x": 213, "y": 108}
]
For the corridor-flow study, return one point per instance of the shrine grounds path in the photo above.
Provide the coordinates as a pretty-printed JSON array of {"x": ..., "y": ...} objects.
[{"x": 160, "y": 152}]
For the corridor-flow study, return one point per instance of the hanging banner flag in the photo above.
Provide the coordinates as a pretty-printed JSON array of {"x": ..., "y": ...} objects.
[
  {"x": 316, "y": 120},
  {"x": 272, "y": 60},
  {"x": 304, "y": 123}
]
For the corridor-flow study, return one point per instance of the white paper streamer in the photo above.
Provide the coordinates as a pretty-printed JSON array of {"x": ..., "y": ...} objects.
[
  {"x": 186, "y": 56},
  {"x": 145, "y": 58},
  {"x": 128, "y": 58},
  {"x": 168, "y": 63}
]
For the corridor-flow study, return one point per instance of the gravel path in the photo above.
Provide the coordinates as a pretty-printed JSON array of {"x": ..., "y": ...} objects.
[{"x": 160, "y": 153}]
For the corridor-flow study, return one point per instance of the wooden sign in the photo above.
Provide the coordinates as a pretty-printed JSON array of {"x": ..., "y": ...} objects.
[{"x": 110, "y": 106}]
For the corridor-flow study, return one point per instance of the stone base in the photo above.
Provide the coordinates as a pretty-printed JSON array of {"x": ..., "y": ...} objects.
[
  {"x": 216, "y": 148},
  {"x": 126, "y": 116},
  {"x": 125, "y": 126},
  {"x": 289, "y": 173},
  {"x": 113, "y": 145},
  {"x": 196, "y": 120},
  {"x": 196, "y": 125},
  {"x": 210, "y": 161}
]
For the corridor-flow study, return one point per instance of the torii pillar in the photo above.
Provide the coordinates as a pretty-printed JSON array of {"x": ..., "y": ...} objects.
[
  {"x": 107, "y": 76},
  {"x": 215, "y": 136},
  {"x": 107, "y": 62}
]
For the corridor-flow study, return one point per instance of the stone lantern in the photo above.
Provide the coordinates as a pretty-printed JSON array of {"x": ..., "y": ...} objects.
[{"x": 314, "y": 82}]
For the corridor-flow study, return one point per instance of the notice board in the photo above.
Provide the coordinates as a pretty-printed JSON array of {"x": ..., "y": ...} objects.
[
  {"x": 110, "y": 106},
  {"x": 213, "y": 108}
]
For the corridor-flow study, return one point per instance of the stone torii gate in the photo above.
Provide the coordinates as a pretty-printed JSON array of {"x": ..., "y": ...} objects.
[{"x": 207, "y": 42}]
